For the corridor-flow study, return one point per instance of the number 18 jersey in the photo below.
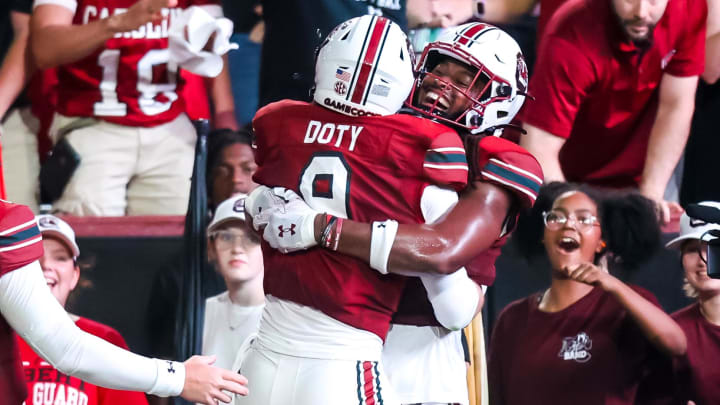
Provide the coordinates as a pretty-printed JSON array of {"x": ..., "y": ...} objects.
[
  {"x": 363, "y": 168},
  {"x": 129, "y": 80}
]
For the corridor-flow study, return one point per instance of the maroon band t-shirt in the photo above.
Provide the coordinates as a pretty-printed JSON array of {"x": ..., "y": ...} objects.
[{"x": 589, "y": 353}]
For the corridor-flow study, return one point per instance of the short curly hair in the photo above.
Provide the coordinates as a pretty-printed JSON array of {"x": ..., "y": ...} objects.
[{"x": 628, "y": 221}]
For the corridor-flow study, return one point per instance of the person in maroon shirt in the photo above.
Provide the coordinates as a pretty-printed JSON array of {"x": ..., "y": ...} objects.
[
  {"x": 589, "y": 338},
  {"x": 697, "y": 376},
  {"x": 615, "y": 86}
]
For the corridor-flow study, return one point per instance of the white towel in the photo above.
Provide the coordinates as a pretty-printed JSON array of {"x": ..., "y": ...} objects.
[{"x": 187, "y": 50}]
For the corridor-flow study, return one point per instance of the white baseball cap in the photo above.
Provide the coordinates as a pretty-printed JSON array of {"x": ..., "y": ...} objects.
[
  {"x": 691, "y": 228},
  {"x": 54, "y": 226},
  {"x": 232, "y": 209}
]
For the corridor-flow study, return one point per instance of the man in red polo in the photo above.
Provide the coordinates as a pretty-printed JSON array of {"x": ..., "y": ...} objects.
[{"x": 615, "y": 89}]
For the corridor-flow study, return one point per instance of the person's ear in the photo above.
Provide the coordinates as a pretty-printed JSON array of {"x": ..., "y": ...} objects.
[
  {"x": 75, "y": 277},
  {"x": 601, "y": 246}
]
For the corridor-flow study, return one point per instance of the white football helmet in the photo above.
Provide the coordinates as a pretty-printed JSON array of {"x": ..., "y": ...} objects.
[
  {"x": 364, "y": 67},
  {"x": 498, "y": 60}
]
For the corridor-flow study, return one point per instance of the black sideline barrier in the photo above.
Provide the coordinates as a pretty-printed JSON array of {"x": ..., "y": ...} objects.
[{"x": 125, "y": 268}]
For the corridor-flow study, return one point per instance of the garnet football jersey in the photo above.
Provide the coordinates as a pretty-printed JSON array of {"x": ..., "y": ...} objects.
[
  {"x": 363, "y": 168},
  {"x": 20, "y": 245},
  {"x": 47, "y": 385},
  {"x": 128, "y": 81},
  {"x": 504, "y": 164}
]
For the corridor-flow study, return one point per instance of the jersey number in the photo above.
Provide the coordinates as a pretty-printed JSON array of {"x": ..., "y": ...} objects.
[
  {"x": 325, "y": 183},
  {"x": 109, "y": 106}
]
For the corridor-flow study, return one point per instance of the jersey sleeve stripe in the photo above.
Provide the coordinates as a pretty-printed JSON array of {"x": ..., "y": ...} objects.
[
  {"x": 15, "y": 228},
  {"x": 530, "y": 194},
  {"x": 22, "y": 245},
  {"x": 518, "y": 178},
  {"x": 517, "y": 169},
  {"x": 448, "y": 149},
  {"x": 18, "y": 237},
  {"x": 446, "y": 166},
  {"x": 435, "y": 157}
]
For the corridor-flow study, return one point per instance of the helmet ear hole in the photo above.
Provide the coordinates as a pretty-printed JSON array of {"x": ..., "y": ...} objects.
[
  {"x": 504, "y": 90},
  {"x": 476, "y": 120}
]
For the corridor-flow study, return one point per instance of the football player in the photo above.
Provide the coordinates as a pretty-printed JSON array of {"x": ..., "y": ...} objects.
[
  {"x": 326, "y": 316},
  {"x": 504, "y": 179},
  {"x": 28, "y": 308}
]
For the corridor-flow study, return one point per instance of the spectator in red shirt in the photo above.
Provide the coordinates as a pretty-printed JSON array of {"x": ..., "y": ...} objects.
[
  {"x": 589, "y": 338},
  {"x": 614, "y": 85},
  {"x": 46, "y": 383},
  {"x": 696, "y": 373}
]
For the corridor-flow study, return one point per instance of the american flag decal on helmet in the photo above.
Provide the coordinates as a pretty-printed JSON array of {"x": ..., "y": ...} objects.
[{"x": 367, "y": 62}]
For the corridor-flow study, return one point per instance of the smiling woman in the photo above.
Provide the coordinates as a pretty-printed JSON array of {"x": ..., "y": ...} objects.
[
  {"x": 62, "y": 273},
  {"x": 589, "y": 338}
]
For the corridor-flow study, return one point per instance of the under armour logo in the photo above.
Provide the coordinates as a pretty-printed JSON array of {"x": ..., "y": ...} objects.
[
  {"x": 381, "y": 226},
  {"x": 282, "y": 230},
  {"x": 170, "y": 367}
]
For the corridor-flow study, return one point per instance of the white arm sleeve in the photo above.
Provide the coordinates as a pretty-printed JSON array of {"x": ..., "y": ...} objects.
[
  {"x": 34, "y": 313},
  {"x": 454, "y": 297}
]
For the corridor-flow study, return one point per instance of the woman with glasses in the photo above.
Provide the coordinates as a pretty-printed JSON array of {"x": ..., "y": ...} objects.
[
  {"x": 589, "y": 338},
  {"x": 696, "y": 373},
  {"x": 233, "y": 315}
]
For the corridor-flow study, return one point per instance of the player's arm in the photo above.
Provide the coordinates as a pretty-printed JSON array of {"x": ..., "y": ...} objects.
[
  {"x": 31, "y": 310},
  {"x": 668, "y": 136},
  {"x": 17, "y": 67},
  {"x": 56, "y": 41},
  {"x": 455, "y": 298},
  {"x": 442, "y": 247}
]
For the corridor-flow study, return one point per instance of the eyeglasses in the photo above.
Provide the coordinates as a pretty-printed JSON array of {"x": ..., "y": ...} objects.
[
  {"x": 556, "y": 219},
  {"x": 226, "y": 240},
  {"x": 700, "y": 247}
]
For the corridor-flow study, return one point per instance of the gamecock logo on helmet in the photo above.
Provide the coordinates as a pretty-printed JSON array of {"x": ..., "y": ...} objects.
[{"x": 521, "y": 75}]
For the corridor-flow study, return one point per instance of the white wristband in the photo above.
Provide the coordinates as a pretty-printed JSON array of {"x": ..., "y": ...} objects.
[
  {"x": 170, "y": 378},
  {"x": 383, "y": 236}
]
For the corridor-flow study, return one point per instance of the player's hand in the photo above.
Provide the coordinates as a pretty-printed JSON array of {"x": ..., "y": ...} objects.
[
  {"x": 293, "y": 228},
  {"x": 591, "y": 274},
  {"x": 288, "y": 223},
  {"x": 208, "y": 385},
  {"x": 264, "y": 201},
  {"x": 141, "y": 13}
]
